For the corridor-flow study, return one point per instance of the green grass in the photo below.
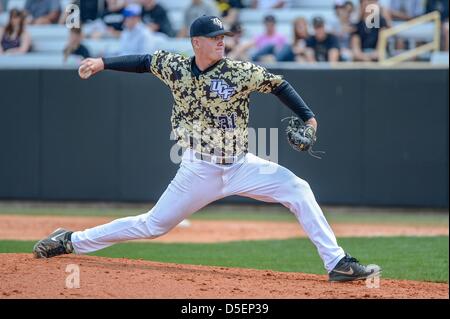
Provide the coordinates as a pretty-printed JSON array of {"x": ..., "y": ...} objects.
[
  {"x": 218, "y": 212},
  {"x": 413, "y": 258}
]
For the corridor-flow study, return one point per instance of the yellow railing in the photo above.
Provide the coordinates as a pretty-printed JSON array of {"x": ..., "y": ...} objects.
[{"x": 432, "y": 46}]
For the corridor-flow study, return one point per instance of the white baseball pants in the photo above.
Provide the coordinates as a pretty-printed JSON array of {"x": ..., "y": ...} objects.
[{"x": 198, "y": 183}]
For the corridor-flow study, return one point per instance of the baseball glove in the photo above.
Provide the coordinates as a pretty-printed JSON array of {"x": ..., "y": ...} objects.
[{"x": 301, "y": 137}]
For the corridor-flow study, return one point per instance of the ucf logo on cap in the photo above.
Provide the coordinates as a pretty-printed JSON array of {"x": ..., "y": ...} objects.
[{"x": 217, "y": 22}]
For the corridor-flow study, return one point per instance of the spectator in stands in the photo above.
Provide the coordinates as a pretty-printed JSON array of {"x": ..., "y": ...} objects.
[
  {"x": 113, "y": 16},
  {"x": 229, "y": 10},
  {"x": 438, "y": 5},
  {"x": 267, "y": 45},
  {"x": 442, "y": 7},
  {"x": 89, "y": 11},
  {"x": 364, "y": 39},
  {"x": 75, "y": 47},
  {"x": 322, "y": 46},
  {"x": 342, "y": 28},
  {"x": 195, "y": 10},
  {"x": 269, "y": 4},
  {"x": 136, "y": 38},
  {"x": 297, "y": 50},
  {"x": 232, "y": 43},
  {"x": 383, "y": 6},
  {"x": 43, "y": 11},
  {"x": 155, "y": 16},
  {"x": 14, "y": 37},
  {"x": 404, "y": 10},
  {"x": 110, "y": 24}
]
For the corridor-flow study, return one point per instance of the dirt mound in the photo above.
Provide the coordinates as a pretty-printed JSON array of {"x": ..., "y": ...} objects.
[
  {"x": 202, "y": 231},
  {"x": 22, "y": 276}
]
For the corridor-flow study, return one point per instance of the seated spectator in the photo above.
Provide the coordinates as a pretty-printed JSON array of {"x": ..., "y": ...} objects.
[
  {"x": 155, "y": 16},
  {"x": 264, "y": 46},
  {"x": 322, "y": 46},
  {"x": 75, "y": 47},
  {"x": 229, "y": 10},
  {"x": 404, "y": 10},
  {"x": 343, "y": 27},
  {"x": 43, "y": 11},
  {"x": 383, "y": 6},
  {"x": 88, "y": 11},
  {"x": 364, "y": 39},
  {"x": 232, "y": 43},
  {"x": 442, "y": 7},
  {"x": 110, "y": 24},
  {"x": 438, "y": 5},
  {"x": 297, "y": 50},
  {"x": 14, "y": 37},
  {"x": 195, "y": 10},
  {"x": 136, "y": 38},
  {"x": 113, "y": 16},
  {"x": 269, "y": 4}
]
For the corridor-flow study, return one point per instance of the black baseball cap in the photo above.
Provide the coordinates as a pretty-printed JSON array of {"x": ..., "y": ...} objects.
[
  {"x": 208, "y": 26},
  {"x": 270, "y": 18},
  {"x": 318, "y": 22}
]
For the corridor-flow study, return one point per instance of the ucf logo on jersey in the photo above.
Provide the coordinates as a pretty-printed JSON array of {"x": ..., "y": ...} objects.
[{"x": 222, "y": 89}]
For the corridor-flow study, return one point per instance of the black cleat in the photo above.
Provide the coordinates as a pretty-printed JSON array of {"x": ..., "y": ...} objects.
[
  {"x": 349, "y": 268},
  {"x": 57, "y": 243}
]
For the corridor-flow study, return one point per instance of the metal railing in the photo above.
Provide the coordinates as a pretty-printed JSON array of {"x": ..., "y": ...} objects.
[{"x": 432, "y": 46}]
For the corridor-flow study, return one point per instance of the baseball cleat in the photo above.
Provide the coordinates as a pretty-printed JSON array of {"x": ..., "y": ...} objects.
[
  {"x": 57, "y": 243},
  {"x": 349, "y": 268}
]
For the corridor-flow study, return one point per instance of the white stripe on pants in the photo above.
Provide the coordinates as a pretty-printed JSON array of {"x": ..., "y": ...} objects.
[{"x": 198, "y": 183}]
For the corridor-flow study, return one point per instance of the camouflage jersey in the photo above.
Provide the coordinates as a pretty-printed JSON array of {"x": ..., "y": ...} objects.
[{"x": 211, "y": 110}]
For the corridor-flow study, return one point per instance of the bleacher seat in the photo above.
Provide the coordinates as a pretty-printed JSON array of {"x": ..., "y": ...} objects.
[
  {"x": 102, "y": 47},
  {"x": 37, "y": 60},
  {"x": 252, "y": 20},
  {"x": 4, "y": 17},
  {"x": 111, "y": 46},
  {"x": 49, "y": 46},
  {"x": 171, "y": 5},
  {"x": 176, "y": 18},
  {"x": 16, "y": 4},
  {"x": 423, "y": 32},
  {"x": 439, "y": 58},
  {"x": 65, "y": 3},
  {"x": 285, "y": 15},
  {"x": 253, "y": 29},
  {"x": 182, "y": 46},
  {"x": 326, "y": 4},
  {"x": 53, "y": 32}
]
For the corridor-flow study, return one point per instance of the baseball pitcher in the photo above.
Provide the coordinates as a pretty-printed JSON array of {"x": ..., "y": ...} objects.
[{"x": 210, "y": 120}]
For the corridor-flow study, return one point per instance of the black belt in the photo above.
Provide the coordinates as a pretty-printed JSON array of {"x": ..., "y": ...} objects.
[{"x": 221, "y": 160}]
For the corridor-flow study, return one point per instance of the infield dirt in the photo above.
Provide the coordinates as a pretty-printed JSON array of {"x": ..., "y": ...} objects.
[{"x": 22, "y": 276}]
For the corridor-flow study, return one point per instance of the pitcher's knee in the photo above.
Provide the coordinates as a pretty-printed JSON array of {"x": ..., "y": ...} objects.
[
  {"x": 157, "y": 229},
  {"x": 300, "y": 187}
]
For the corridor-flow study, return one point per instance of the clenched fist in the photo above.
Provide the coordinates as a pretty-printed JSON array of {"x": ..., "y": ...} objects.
[{"x": 90, "y": 67}]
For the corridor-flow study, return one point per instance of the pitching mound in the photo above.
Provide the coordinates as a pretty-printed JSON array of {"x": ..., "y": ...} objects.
[{"x": 22, "y": 276}]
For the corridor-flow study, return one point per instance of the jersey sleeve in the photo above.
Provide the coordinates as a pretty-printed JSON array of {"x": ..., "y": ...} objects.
[
  {"x": 163, "y": 65},
  {"x": 262, "y": 80}
]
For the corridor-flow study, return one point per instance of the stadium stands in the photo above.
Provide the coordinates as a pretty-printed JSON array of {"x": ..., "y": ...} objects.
[{"x": 49, "y": 40}]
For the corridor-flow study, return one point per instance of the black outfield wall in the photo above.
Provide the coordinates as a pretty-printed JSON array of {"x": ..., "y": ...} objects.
[{"x": 385, "y": 134}]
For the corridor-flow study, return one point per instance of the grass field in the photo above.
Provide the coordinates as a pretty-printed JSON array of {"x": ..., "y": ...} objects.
[
  {"x": 223, "y": 212},
  {"x": 413, "y": 258}
]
